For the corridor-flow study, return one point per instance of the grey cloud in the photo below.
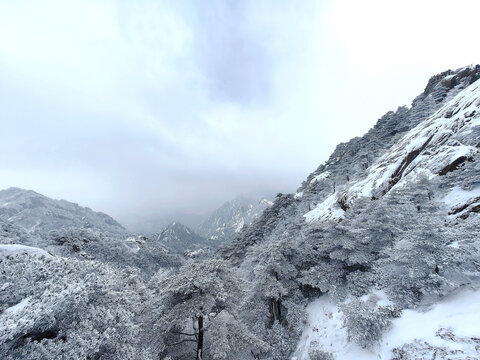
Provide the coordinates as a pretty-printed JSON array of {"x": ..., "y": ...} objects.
[
  {"x": 176, "y": 106},
  {"x": 233, "y": 51}
]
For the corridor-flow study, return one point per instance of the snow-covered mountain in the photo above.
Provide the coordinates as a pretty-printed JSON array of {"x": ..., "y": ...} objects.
[
  {"x": 153, "y": 223},
  {"x": 69, "y": 230},
  {"x": 383, "y": 232},
  {"x": 441, "y": 144},
  {"x": 363, "y": 165},
  {"x": 179, "y": 238},
  {"x": 37, "y": 213},
  {"x": 229, "y": 219},
  {"x": 376, "y": 256}
]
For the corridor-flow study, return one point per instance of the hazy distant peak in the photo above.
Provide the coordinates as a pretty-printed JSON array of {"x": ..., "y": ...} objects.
[
  {"x": 230, "y": 218},
  {"x": 177, "y": 226},
  {"x": 179, "y": 238}
]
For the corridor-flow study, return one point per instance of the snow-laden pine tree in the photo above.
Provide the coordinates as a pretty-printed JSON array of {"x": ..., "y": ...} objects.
[{"x": 191, "y": 309}]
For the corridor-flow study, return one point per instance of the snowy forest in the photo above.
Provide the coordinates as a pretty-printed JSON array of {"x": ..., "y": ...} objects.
[{"x": 376, "y": 256}]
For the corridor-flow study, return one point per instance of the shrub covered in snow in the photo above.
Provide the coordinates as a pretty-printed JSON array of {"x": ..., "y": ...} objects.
[{"x": 65, "y": 308}]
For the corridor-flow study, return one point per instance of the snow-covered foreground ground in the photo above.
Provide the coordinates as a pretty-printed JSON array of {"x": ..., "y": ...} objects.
[
  {"x": 457, "y": 315},
  {"x": 14, "y": 249}
]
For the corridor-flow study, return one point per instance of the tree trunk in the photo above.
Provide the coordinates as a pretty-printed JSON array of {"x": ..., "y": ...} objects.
[
  {"x": 276, "y": 305},
  {"x": 200, "y": 339},
  {"x": 276, "y": 310}
]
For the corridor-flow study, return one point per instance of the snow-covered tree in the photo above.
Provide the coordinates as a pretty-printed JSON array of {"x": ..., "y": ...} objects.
[
  {"x": 202, "y": 298},
  {"x": 64, "y": 308}
]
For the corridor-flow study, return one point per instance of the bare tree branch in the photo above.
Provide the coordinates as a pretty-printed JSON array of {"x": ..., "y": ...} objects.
[
  {"x": 182, "y": 333},
  {"x": 182, "y": 341}
]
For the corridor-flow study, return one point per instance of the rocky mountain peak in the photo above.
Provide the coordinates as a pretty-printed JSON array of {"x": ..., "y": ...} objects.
[
  {"x": 179, "y": 238},
  {"x": 229, "y": 219}
]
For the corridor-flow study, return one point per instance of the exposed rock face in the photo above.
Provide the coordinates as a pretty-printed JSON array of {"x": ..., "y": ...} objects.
[
  {"x": 228, "y": 220},
  {"x": 179, "y": 238},
  {"x": 400, "y": 142}
]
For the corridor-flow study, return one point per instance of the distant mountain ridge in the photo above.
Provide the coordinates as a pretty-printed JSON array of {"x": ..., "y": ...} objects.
[
  {"x": 35, "y": 212},
  {"x": 59, "y": 226},
  {"x": 69, "y": 230}
]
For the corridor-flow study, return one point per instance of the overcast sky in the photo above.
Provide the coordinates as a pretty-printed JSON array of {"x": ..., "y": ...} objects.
[{"x": 143, "y": 107}]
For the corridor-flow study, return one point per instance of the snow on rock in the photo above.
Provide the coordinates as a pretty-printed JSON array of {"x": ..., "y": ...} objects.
[
  {"x": 462, "y": 202},
  {"x": 133, "y": 244},
  {"x": 239, "y": 225},
  {"x": 229, "y": 219},
  {"x": 329, "y": 209},
  {"x": 298, "y": 195},
  {"x": 15, "y": 309},
  {"x": 15, "y": 249},
  {"x": 263, "y": 202},
  {"x": 435, "y": 147},
  {"x": 458, "y": 197},
  {"x": 455, "y": 245},
  {"x": 436, "y": 144},
  {"x": 321, "y": 176},
  {"x": 451, "y": 325},
  {"x": 325, "y": 332}
]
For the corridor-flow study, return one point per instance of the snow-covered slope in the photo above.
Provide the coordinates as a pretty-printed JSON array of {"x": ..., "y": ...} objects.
[
  {"x": 14, "y": 249},
  {"x": 37, "y": 213},
  {"x": 448, "y": 330},
  {"x": 437, "y": 146},
  {"x": 65, "y": 229},
  {"x": 229, "y": 219},
  {"x": 379, "y": 238},
  {"x": 365, "y": 165}
]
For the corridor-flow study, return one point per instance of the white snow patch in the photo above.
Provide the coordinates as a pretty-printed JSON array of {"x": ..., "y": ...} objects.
[
  {"x": 448, "y": 77},
  {"x": 132, "y": 244},
  {"x": 329, "y": 209},
  {"x": 457, "y": 196},
  {"x": 4, "y": 286},
  {"x": 454, "y": 245},
  {"x": 195, "y": 253},
  {"x": 239, "y": 225},
  {"x": 324, "y": 331},
  {"x": 15, "y": 249},
  {"x": 460, "y": 312},
  {"x": 379, "y": 296},
  {"x": 322, "y": 176},
  {"x": 298, "y": 195},
  {"x": 12, "y": 310}
]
